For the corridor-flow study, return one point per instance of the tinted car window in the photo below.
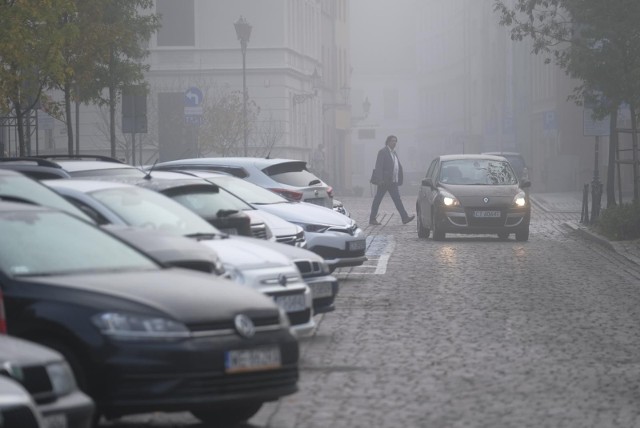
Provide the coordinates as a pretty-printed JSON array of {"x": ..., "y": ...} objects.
[
  {"x": 249, "y": 192},
  {"x": 148, "y": 209},
  {"x": 477, "y": 171},
  {"x": 41, "y": 243},
  {"x": 292, "y": 174},
  {"x": 209, "y": 203}
]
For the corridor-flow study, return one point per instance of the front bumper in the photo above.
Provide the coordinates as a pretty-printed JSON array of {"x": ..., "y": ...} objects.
[
  {"x": 76, "y": 409},
  {"x": 463, "y": 220},
  {"x": 180, "y": 376},
  {"x": 339, "y": 249},
  {"x": 324, "y": 290}
]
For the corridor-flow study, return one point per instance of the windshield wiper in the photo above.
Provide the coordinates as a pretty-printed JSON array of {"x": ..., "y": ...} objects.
[{"x": 200, "y": 236}]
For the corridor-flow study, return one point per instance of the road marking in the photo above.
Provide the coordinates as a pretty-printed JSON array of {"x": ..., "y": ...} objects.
[{"x": 379, "y": 250}]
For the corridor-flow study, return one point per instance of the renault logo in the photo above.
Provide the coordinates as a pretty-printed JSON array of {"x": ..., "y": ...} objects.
[
  {"x": 486, "y": 200},
  {"x": 244, "y": 326},
  {"x": 282, "y": 279}
]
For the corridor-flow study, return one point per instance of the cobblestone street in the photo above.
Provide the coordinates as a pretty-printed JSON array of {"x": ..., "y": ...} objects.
[{"x": 469, "y": 332}]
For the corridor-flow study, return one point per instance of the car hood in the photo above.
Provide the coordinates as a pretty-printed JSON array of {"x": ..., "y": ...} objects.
[
  {"x": 278, "y": 226},
  {"x": 181, "y": 294},
  {"x": 474, "y": 195},
  {"x": 246, "y": 254},
  {"x": 291, "y": 251},
  {"x": 25, "y": 353},
  {"x": 302, "y": 212}
]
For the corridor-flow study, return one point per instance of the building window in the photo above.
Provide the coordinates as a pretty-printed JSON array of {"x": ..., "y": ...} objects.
[{"x": 178, "y": 22}]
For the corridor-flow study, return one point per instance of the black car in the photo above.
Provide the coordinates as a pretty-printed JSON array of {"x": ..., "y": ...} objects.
[
  {"x": 140, "y": 337},
  {"x": 47, "y": 377}
]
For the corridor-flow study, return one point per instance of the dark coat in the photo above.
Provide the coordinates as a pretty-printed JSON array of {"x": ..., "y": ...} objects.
[{"x": 384, "y": 167}]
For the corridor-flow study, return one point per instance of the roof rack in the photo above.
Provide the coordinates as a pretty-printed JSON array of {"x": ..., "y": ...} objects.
[
  {"x": 82, "y": 157},
  {"x": 32, "y": 160}
]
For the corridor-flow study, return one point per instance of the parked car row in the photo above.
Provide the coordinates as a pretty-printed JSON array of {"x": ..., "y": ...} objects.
[{"x": 126, "y": 278}]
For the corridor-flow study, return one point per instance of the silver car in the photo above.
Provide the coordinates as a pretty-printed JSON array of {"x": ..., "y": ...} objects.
[{"x": 287, "y": 177}]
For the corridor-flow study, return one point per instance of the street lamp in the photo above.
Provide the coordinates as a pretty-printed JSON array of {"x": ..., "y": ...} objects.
[{"x": 243, "y": 31}]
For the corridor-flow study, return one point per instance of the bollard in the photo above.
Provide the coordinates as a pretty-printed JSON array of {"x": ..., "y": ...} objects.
[
  {"x": 584, "y": 215},
  {"x": 596, "y": 197}
]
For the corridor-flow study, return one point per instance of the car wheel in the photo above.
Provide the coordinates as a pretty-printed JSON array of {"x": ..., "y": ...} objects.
[
  {"x": 228, "y": 415},
  {"x": 423, "y": 232},
  {"x": 503, "y": 236},
  {"x": 438, "y": 234},
  {"x": 522, "y": 235}
]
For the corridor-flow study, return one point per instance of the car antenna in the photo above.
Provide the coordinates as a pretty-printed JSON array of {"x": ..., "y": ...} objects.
[{"x": 148, "y": 175}]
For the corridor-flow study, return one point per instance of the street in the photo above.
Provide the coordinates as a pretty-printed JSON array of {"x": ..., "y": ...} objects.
[{"x": 469, "y": 332}]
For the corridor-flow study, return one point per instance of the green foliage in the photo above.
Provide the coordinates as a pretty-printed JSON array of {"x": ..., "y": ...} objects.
[{"x": 620, "y": 222}]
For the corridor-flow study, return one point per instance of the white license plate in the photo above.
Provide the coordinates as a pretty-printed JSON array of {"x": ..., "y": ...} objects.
[
  {"x": 247, "y": 360},
  {"x": 316, "y": 201},
  {"x": 356, "y": 245},
  {"x": 292, "y": 303},
  {"x": 54, "y": 421},
  {"x": 483, "y": 214},
  {"x": 322, "y": 289}
]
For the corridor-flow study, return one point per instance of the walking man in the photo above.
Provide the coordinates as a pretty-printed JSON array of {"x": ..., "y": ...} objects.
[{"x": 387, "y": 175}]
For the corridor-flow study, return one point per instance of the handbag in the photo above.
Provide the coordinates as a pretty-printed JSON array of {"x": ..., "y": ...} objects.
[{"x": 376, "y": 177}]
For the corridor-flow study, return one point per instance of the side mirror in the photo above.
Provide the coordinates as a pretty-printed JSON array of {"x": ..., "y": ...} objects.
[
  {"x": 524, "y": 184},
  {"x": 427, "y": 182}
]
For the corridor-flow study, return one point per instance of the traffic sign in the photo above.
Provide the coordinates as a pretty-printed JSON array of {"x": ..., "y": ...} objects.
[{"x": 193, "y": 97}]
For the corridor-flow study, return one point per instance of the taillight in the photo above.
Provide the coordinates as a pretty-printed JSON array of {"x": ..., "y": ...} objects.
[
  {"x": 3, "y": 319},
  {"x": 330, "y": 191},
  {"x": 292, "y": 195}
]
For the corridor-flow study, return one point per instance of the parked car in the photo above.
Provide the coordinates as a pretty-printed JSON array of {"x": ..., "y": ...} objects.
[
  {"x": 517, "y": 163},
  {"x": 245, "y": 260},
  {"x": 38, "y": 169},
  {"x": 287, "y": 177},
  {"x": 335, "y": 237},
  {"x": 140, "y": 337},
  {"x": 17, "y": 408},
  {"x": 473, "y": 194},
  {"x": 45, "y": 374}
]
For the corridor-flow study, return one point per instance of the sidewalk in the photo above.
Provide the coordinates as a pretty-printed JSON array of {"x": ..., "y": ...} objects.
[{"x": 571, "y": 202}]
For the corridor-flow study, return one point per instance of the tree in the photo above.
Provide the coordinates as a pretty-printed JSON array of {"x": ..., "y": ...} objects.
[
  {"x": 125, "y": 27},
  {"x": 595, "y": 42},
  {"x": 31, "y": 38},
  {"x": 223, "y": 130}
]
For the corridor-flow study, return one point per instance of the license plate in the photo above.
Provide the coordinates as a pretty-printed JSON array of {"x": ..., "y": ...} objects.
[
  {"x": 483, "y": 214},
  {"x": 322, "y": 289},
  {"x": 54, "y": 421},
  {"x": 247, "y": 360},
  {"x": 316, "y": 201},
  {"x": 356, "y": 245},
  {"x": 292, "y": 303}
]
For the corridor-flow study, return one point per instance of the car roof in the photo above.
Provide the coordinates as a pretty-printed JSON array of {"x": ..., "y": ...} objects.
[
  {"x": 502, "y": 153},
  {"x": 259, "y": 163},
  {"x": 8, "y": 206},
  {"x": 470, "y": 156},
  {"x": 86, "y": 185},
  {"x": 163, "y": 184}
]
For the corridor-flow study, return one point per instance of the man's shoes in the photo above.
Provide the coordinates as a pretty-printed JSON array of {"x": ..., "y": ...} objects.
[
  {"x": 374, "y": 222},
  {"x": 408, "y": 219}
]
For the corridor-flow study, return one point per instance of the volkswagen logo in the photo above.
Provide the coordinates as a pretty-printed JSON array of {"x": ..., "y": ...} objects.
[
  {"x": 282, "y": 279},
  {"x": 244, "y": 326},
  {"x": 486, "y": 200}
]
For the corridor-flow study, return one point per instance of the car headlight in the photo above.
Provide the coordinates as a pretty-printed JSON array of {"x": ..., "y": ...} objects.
[
  {"x": 234, "y": 273},
  {"x": 61, "y": 378},
  {"x": 124, "y": 326},
  {"x": 284, "y": 318},
  {"x": 520, "y": 200},
  {"x": 317, "y": 228},
  {"x": 448, "y": 199}
]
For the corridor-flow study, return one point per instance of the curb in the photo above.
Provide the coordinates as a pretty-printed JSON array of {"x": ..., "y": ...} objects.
[{"x": 594, "y": 237}]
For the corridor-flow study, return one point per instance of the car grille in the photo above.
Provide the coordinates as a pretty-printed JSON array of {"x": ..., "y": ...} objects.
[
  {"x": 351, "y": 230},
  {"x": 258, "y": 321},
  {"x": 259, "y": 230},
  {"x": 300, "y": 317},
  {"x": 308, "y": 268},
  {"x": 36, "y": 380}
]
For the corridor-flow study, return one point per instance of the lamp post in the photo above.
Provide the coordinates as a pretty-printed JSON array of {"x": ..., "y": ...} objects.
[{"x": 243, "y": 31}]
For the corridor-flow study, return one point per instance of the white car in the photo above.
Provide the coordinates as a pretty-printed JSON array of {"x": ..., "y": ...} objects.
[
  {"x": 248, "y": 263},
  {"x": 334, "y": 236}
]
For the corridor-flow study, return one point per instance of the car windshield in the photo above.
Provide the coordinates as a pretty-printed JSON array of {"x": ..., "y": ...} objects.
[
  {"x": 148, "y": 209},
  {"x": 49, "y": 243},
  {"x": 477, "y": 172},
  {"x": 208, "y": 204},
  {"x": 23, "y": 188},
  {"x": 247, "y": 191}
]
